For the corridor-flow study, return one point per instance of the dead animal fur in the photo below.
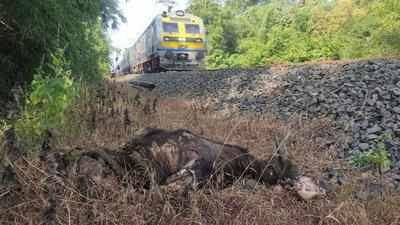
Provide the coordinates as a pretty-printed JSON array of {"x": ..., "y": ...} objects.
[
  {"x": 170, "y": 157},
  {"x": 180, "y": 153}
]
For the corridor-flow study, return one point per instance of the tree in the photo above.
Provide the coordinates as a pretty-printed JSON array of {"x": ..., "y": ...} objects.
[
  {"x": 32, "y": 30},
  {"x": 250, "y": 32}
]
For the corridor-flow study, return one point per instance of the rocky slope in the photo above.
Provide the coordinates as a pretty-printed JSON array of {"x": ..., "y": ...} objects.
[{"x": 363, "y": 97}]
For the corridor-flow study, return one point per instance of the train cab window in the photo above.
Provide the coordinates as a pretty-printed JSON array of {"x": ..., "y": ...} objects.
[
  {"x": 170, "y": 27},
  {"x": 192, "y": 28}
]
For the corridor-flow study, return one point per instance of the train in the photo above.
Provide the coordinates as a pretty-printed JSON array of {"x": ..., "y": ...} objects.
[{"x": 174, "y": 40}]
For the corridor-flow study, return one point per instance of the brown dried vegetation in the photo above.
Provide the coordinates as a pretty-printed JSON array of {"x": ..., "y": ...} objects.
[{"x": 110, "y": 118}]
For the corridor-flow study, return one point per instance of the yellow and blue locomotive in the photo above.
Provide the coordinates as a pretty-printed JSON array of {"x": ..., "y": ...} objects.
[{"x": 173, "y": 41}]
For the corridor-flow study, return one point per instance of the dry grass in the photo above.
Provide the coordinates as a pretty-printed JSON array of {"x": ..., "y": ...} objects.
[{"x": 117, "y": 117}]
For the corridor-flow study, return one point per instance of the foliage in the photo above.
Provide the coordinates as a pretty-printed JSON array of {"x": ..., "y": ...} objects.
[
  {"x": 378, "y": 157},
  {"x": 33, "y": 30},
  {"x": 258, "y": 32},
  {"x": 32, "y": 36},
  {"x": 52, "y": 92}
]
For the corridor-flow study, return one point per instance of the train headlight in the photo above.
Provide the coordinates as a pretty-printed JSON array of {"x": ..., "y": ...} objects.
[
  {"x": 180, "y": 13},
  {"x": 183, "y": 56}
]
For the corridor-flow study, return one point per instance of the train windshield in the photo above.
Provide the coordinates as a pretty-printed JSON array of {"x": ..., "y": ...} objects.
[
  {"x": 192, "y": 28},
  {"x": 170, "y": 27}
]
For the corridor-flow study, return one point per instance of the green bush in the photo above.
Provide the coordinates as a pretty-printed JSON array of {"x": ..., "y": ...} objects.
[
  {"x": 52, "y": 92},
  {"x": 378, "y": 157}
]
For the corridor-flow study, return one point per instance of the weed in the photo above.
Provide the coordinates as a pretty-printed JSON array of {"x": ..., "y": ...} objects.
[
  {"x": 52, "y": 92},
  {"x": 378, "y": 157}
]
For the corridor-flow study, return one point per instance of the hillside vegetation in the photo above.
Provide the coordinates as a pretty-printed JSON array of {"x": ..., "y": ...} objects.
[{"x": 246, "y": 33}]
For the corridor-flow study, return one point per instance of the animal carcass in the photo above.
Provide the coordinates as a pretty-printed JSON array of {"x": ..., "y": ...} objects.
[
  {"x": 165, "y": 157},
  {"x": 180, "y": 154}
]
